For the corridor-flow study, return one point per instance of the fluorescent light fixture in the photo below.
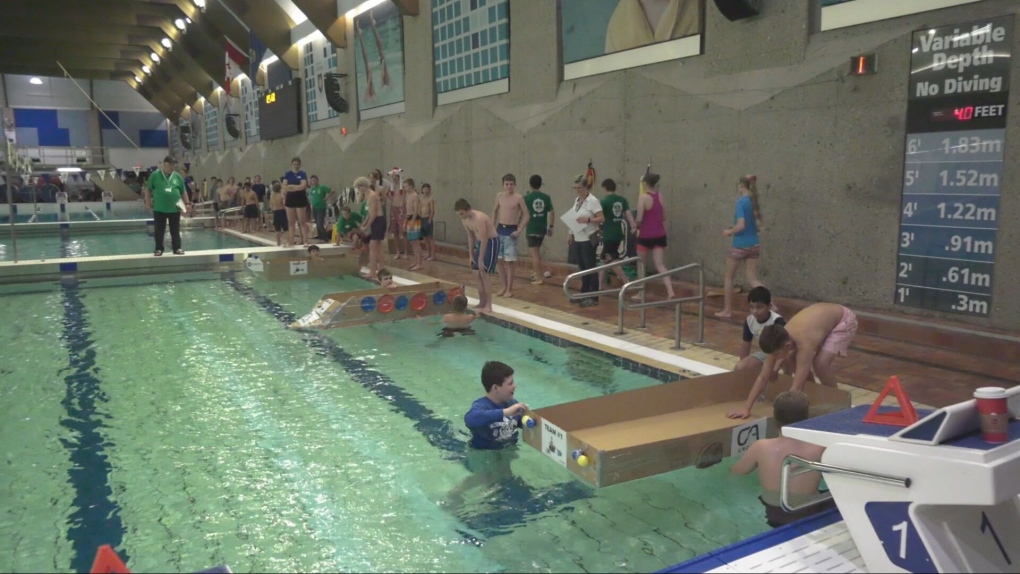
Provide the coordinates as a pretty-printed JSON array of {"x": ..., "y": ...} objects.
[
  {"x": 187, "y": 20},
  {"x": 166, "y": 43},
  {"x": 146, "y": 69},
  {"x": 200, "y": 4},
  {"x": 137, "y": 79},
  {"x": 69, "y": 169},
  {"x": 363, "y": 8},
  {"x": 179, "y": 23},
  {"x": 268, "y": 61},
  {"x": 316, "y": 35},
  {"x": 35, "y": 81},
  {"x": 155, "y": 57}
]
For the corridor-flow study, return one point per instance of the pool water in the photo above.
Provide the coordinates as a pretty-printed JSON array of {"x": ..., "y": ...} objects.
[
  {"x": 71, "y": 243},
  {"x": 177, "y": 419},
  {"x": 126, "y": 210}
]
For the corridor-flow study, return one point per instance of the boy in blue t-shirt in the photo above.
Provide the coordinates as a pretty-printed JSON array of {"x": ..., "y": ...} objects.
[{"x": 494, "y": 419}]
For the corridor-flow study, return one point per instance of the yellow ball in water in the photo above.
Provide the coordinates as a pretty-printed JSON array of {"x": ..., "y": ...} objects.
[{"x": 582, "y": 461}]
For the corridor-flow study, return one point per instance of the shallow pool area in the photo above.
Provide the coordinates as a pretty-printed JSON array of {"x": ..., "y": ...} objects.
[
  {"x": 179, "y": 420},
  {"x": 76, "y": 242},
  {"x": 84, "y": 211}
]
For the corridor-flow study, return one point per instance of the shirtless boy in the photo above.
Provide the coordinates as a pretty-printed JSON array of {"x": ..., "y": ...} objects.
[
  {"x": 398, "y": 214},
  {"x": 811, "y": 340},
  {"x": 483, "y": 247},
  {"x": 511, "y": 216},
  {"x": 767, "y": 456},
  {"x": 250, "y": 201},
  {"x": 460, "y": 318},
  {"x": 413, "y": 225},
  {"x": 277, "y": 205},
  {"x": 427, "y": 211}
]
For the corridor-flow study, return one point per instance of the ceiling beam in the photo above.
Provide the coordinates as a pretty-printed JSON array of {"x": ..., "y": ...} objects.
[
  {"x": 407, "y": 7},
  {"x": 157, "y": 103},
  {"x": 271, "y": 23},
  {"x": 324, "y": 16}
]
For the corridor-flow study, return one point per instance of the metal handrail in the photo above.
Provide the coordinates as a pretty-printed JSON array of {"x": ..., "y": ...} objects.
[
  {"x": 223, "y": 212},
  {"x": 700, "y": 298},
  {"x": 606, "y": 267},
  {"x": 810, "y": 466}
]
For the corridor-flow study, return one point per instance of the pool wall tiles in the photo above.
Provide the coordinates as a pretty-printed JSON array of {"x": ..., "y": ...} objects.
[
  {"x": 471, "y": 42},
  {"x": 663, "y": 375}
]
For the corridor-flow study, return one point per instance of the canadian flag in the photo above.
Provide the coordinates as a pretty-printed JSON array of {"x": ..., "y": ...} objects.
[{"x": 236, "y": 64}]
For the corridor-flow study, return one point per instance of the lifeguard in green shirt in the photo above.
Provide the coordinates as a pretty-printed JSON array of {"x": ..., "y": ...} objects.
[
  {"x": 317, "y": 197},
  {"x": 165, "y": 196}
]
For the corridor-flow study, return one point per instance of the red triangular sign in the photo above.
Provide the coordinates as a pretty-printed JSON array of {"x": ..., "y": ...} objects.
[
  {"x": 904, "y": 417},
  {"x": 107, "y": 562}
]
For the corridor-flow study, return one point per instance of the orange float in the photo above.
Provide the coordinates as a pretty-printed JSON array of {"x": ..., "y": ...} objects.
[
  {"x": 453, "y": 293},
  {"x": 385, "y": 304},
  {"x": 419, "y": 301}
]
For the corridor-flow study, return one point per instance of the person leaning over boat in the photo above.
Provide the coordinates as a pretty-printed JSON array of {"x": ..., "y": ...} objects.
[{"x": 165, "y": 195}]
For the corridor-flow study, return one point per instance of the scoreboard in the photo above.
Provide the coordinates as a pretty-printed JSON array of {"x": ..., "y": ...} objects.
[
  {"x": 280, "y": 112},
  {"x": 952, "y": 174}
]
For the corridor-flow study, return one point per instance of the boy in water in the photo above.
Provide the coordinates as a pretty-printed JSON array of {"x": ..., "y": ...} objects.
[
  {"x": 313, "y": 252},
  {"x": 460, "y": 319},
  {"x": 483, "y": 248},
  {"x": 811, "y": 341},
  {"x": 767, "y": 456},
  {"x": 494, "y": 419},
  {"x": 276, "y": 203}
]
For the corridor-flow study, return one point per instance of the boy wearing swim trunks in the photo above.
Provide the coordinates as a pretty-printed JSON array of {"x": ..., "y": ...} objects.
[
  {"x": 427, "y": 211},
  {"x": 511, "y": 215},
  {"x": 413, "y": 222},
  {"x": 276, "y": 204},
  {"x": 811, "y": 339},
  {"x": 483, "y": 248},
  {"x": 374, "y": 225},
  {"x": 767, "y": 456}
]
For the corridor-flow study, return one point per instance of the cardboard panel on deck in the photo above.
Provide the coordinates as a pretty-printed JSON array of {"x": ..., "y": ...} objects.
[
  {"x": 649, "y": 431},
  {"x": 281, "y": 268}
]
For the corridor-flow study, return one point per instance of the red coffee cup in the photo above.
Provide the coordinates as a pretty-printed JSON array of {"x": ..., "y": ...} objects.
[{"x": 994, "y": 413}]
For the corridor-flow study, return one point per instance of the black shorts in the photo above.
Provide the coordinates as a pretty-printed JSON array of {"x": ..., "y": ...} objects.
[
  {"x": 535, "y": 240},
  {"x": 280, "y": 220},
  {"x": 295, "y": 199},
  {"x": 216, "y": 208},
  {"x": 611, "y": 250},
  {"x": 251, "y": 212},
  {"x": 652, "y": 242},
  {"x": 378, "y": 229}
]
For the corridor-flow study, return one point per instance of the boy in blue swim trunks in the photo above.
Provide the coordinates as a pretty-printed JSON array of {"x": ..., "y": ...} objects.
[
  {"x": 511, "y": 216},
  {"x": 483, "y": 249}
]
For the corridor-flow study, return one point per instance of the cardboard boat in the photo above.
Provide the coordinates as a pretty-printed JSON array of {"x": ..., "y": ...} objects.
[
  {"x": 277, "y": 268},
  {"x": 643, "y": 432},
  {"x": 379, "y": 304}
]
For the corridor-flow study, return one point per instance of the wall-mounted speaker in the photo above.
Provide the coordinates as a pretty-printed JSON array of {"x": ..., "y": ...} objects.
[
  {"x": 334, "y": 93},
  {"x": 184, "y": 132},
  {"x": 738, "y": 9},
  {"x": 230, "y": 122}
]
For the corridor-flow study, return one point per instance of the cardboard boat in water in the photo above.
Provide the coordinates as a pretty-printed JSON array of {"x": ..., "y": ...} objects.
[
  {"x": 274, "y": 267},
  {"x": 643, "y": 432},
  {"x": 379, "y": 304}
]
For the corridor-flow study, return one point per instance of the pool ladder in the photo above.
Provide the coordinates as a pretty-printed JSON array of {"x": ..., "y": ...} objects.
[
  {"x": 625, "y": 305},
  {"x": 93, "y": 213},
  {"x": 809, "y": 466},
  {"x": 35, "y": 216}
]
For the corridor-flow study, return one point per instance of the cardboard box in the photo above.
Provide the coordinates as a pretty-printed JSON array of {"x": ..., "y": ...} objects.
[
  {"x": 657, "y": 429},
  {"x": 350, "y": 308},
  {"x": 281, "y": 268}
]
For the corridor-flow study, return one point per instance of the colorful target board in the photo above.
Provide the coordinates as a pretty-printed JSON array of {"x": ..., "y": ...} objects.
[{"x": 379, "y": 304}]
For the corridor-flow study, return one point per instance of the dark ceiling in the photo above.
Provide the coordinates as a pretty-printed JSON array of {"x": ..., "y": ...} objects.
[{"x": 114, "y": 39}]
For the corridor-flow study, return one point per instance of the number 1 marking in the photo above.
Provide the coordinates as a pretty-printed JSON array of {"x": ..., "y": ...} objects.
[
  {"x": 987, "y": 525},
  {"x": 902, "y": 528}
]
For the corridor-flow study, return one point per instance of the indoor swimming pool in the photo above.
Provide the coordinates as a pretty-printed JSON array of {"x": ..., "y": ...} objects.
[
  {"x": 179, "y": 420},
  {"x": 64, "y": 243},
  {"x": 92, "y": 211}
]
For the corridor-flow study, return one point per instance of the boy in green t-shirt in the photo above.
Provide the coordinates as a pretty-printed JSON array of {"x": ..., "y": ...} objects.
[
  {"x": 317, "y": 198},
  {"x": 347, "y": 227},
  {"x": 540, "y": 225},
  {"x": 615, "y": 229}
]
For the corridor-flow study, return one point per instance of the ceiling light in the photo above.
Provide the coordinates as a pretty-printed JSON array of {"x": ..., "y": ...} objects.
[
  {"x": 155, "y": 57},
  {"x": 137, "y": 79},
  {"x": 36, "y": 81},
  {"x": 188, "y": 20},
  {"x": 69, "y": 169},
  {"x": 146, "y": 70},
  {"x": 179, "y": 23},
  {"x": 166, "y": 43},
  {"x": 363, "y": 7},
  {"x": 200, "y": 4}
]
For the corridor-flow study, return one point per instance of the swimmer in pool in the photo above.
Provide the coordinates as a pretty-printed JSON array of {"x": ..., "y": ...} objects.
[
  {"x": 767, "y": 456},
  {"x": 460, "y": 320},
  {"x": 384, "y": 278}
]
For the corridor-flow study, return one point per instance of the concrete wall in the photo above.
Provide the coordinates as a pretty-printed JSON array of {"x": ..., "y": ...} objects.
[{"x": 767, "y": 97}]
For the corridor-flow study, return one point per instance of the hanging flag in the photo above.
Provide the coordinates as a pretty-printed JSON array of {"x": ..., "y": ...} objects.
[
  {"x": 589, "y": 176},
  {"x": 234, "y": 64},
  {"x": 102, "y": 174},
  {"x": 256, "y": 52}
]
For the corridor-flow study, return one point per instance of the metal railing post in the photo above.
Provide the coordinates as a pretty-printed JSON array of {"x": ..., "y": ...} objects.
[
  {"x": 641, "y": 274},
  {"x": 701, "y": 306}
]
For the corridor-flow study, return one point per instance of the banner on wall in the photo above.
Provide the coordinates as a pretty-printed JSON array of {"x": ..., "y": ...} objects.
[
  {"x": 379, "y": 58},
  {"x": 256, "y": 52},
  {"x": 594, "y": 33},
  {"x": 234, "y": 63}
]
